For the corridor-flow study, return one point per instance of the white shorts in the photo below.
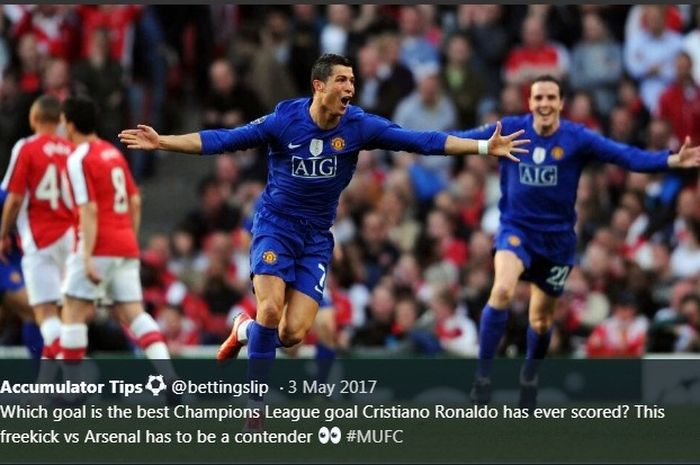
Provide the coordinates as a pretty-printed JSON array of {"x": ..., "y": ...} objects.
[
  {"x": 45, "y": 268},
  {"x": 121, "y": 280}
]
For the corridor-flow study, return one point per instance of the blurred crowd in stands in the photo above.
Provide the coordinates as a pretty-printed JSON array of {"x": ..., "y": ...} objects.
[{"x": 413, "y": 266}]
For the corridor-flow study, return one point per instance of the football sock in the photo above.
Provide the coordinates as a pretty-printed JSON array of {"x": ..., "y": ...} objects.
[
  {"x": 74, "y": 341},
  {"x": 279, "y": 343},
  {"x": 150, "y": 339},
  {"x": 31, "y": 337},
  {"x": 244, "y": 334},
  {"x": 278, "y": 340},
  {"x": 324, "y": 361},
  {"x": 51, "y": 332},
  {"x": 261, "y": 353},
  {"x": 491, "y": 329},
  {"x": 244, "y": 331},
  {"x": 537, "y": 345}
]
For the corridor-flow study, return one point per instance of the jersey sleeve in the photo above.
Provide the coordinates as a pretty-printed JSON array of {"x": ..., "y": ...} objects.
[
  {"x": 16, "y": 177},
  {"x": 627, "y": 156},
  {"x": 253, "y": 134},
  {"x": 381, "y": 133},
  {"x": 482, "y": 132},
  {"x": 80, "y": 181}
]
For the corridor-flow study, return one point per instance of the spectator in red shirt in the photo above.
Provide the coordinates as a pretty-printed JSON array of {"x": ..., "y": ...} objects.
[
  {"x": 118, "y": 20},
  {"x": 53, "y": 27},
  {"x": 624, "y": 334},
  {"x": 535, "y": 56},
  {"x": 178, "y": 330},
  {"x": 455, "y": 330},
  {"x": 679, "y": 104},
  {"x": 440, "y": 229},
  {"x": 470, "y": 198}
]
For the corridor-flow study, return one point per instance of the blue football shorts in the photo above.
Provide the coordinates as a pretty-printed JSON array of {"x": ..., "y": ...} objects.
[
  {"x": 548, "y": 256},
  {"x": 292, "y": 249},
  {"x": 11, "y": 278}
]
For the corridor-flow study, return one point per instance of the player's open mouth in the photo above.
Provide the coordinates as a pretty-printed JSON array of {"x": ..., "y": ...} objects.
[{"x": 345, "y": 101}]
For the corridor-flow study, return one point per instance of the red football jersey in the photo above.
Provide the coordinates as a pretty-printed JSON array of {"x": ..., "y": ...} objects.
[
  {"x": 37, "y": 171},
  {"x": 99, "y": 173}
]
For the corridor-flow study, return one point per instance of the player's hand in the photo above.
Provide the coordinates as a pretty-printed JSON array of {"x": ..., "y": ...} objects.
[
  {"x": 506, "y": 146},
  {"x": 142, "y": 138},
  {"x": 687, "y": 156},
  {"x": 91, "y": 271}
]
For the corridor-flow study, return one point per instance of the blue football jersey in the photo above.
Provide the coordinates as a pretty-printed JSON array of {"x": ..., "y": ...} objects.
[
  {"x": 540, "y": 192},
  {"x": 308, "y": 167}
]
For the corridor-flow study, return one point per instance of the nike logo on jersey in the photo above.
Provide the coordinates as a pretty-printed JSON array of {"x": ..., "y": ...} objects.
[{"x": 293, "y": 146}]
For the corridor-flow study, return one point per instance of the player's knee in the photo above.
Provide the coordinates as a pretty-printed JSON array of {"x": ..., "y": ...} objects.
[
  {"x": 540, "y": 325},
  {"x": 269, "y": 313},
  {"x": 290, "y": 336},
  {"x": 501, "y": 295},
  {"x": 45, "y": 311}
]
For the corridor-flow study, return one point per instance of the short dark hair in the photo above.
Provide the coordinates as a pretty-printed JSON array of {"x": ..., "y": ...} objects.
[
  {"x": 624, "y": 298},
  {"x": 550, "y": 78},
  {"x": 323, "y": 68},
  {"x": 82, "y": 112},
  {"x": 48, "y": 109}
]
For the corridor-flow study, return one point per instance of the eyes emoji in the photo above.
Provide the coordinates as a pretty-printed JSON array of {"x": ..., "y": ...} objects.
[
  {"x": 332, "y": 435},
  {"x": 323, "y": 435}
]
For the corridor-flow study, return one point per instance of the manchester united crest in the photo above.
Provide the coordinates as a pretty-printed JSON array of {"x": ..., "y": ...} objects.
[
  {"x": 269, "y": 257},
  {"x": 557, "y": 153},
  {"x": 338, "y": 144}
]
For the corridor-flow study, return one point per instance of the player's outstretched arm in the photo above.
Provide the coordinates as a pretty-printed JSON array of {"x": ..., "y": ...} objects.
[
  {"x": 687, "y": 156},
  {"x": 497, "y": 145},
  {"x": 146, "y": 138}
]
